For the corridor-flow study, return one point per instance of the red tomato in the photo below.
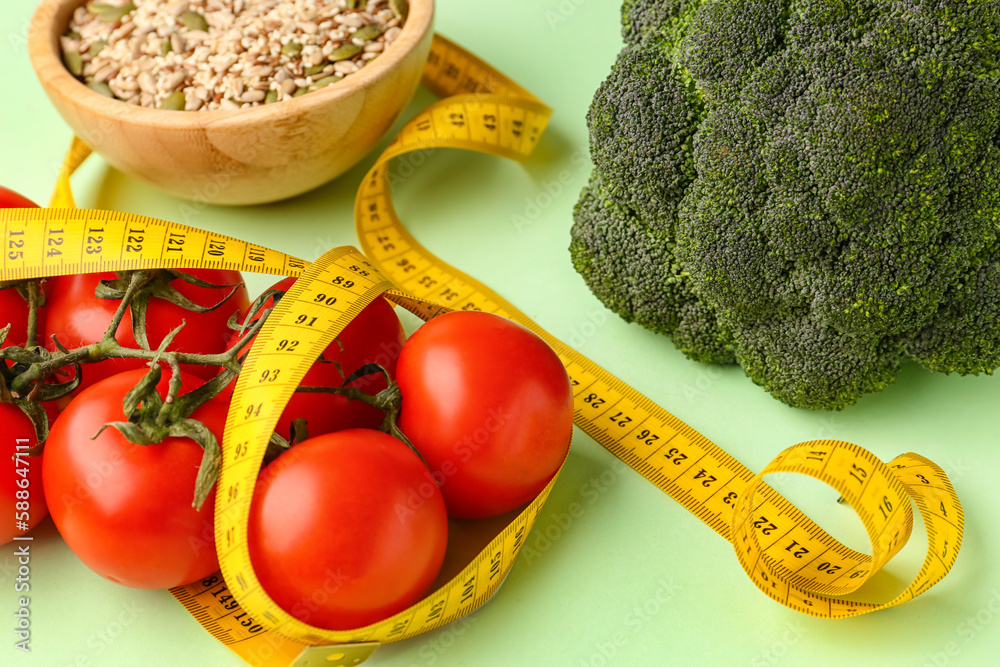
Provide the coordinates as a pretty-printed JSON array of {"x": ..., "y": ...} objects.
[
  {"x": 13, "y": 307},
  {"x": 76, "y": 317},
  {"x": 331, "y": 536},
  {"x": 21, "y": 495},
  {"x": 125, "y": 509},
  {"x": 488, "y": 405},
  {"x": 374, "y": 336},
  {"x": 10, "y": 199}
]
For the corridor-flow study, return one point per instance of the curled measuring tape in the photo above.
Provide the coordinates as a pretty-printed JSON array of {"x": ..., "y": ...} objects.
[{"x": 786, "y": 555}]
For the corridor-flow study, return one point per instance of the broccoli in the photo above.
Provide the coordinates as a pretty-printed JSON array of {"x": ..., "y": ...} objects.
[{"x": 809, "y": 188}]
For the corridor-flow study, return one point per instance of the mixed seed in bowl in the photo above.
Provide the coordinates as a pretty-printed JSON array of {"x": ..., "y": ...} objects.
[{"x": 224, "y": 54}]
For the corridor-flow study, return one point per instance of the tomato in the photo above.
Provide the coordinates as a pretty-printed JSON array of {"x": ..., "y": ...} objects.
[
  {"x": 21, "y": 495},
  {"x": 13, "y": 307},
  {"x": 77, "y": 318},
  {"x": 331, "y": 536},
  {"x": 11, "y": 199},
  {"x": 488, "y": 405},
  {"x": 374, "y": 336},
  {"x": 126, "y": 510}
]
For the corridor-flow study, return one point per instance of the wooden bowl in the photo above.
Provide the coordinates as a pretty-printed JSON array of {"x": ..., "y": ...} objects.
[{"x": 243, "y": 156}]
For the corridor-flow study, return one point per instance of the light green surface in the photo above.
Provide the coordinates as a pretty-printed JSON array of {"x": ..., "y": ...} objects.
[{"x": 634, "y": 579}]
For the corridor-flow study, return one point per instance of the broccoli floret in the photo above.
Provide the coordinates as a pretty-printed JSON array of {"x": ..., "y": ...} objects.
[
  {"x": 629, "y": 265},
  {"x": 821, "y": 176},
  {"x": 641, "y": 127}
]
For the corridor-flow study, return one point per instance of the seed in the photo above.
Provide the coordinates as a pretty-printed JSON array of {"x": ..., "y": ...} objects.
[
  {"x": 174, "y": 80},
  {"x": 109, "y": 13},
  {"x": 250, "y": 52},
  {"x": 343, "y": 52},
  {"x": 100, "y": 87},
  {"x": 259, "y": 71},
  {"x": 391, "y": 34},
  {"x": 106, "y": 72},
  {"x": 73, "y": 62},
  {"x": 96, "y": 48},
  {"x": 367, "y": 33},
  {"x": 326, "y": 81},
  {"x": 177, "y": 42},
  {"x": 194, "y": 21},
  {"x": 173, "y": 102},
  {"x": 146, "y": 82},
  {"x": 401, "y": 8},
  {"x": 345, "y": 67},
  {"x": 253, "y": 96}
]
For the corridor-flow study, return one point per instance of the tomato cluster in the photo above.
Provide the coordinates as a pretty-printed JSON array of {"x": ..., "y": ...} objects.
[{"x": 349, "y": 525}]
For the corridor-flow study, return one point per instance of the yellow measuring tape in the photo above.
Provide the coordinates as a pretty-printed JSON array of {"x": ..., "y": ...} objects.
[{"x": 786, "y": 555}]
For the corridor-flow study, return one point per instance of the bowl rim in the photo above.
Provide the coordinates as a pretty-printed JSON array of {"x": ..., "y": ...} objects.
[{"x": 45, "y": 54}]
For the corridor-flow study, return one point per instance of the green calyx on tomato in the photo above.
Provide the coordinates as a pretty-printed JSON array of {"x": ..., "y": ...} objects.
[
  {"x": 143, "y": 286},
  {"x": 125, "y": 509},
  {"x": 150, "y": 419}
]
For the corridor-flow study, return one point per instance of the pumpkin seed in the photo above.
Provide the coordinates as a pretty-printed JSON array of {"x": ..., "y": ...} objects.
[
  {"x": 326, "y": 81},
  {"x": 367, "y": 33},
  {"x": 100, "y": 87},
  {"x": 271, "y": 97},
  {"x": 96, "y": 47},
  {"x": 174, "y": 102},
  {"x": 291, "y": 49},
  {"x": 73, "y": 62},
  {"x": 344, "y": 52},
  {"x": 401, "y": 8},
  {"x": 109, "y": 13},
  {"x": 192, "y": 20}
]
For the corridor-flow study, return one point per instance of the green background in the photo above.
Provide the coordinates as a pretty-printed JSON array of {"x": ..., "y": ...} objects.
[{"x": 632, "y": 579}]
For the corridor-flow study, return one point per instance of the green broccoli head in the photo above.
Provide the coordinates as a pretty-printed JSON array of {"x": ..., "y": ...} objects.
[{"x": 822, "y": 176}]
